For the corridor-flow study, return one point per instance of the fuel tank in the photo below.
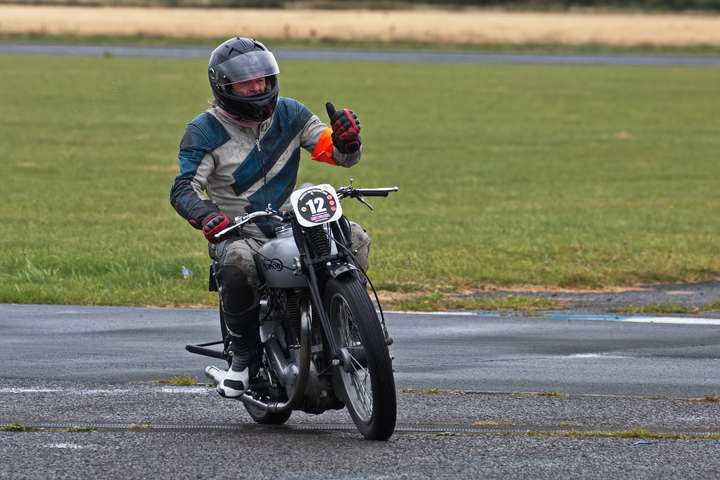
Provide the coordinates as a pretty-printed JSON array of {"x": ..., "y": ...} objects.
[{"x": 276, "y": 261}]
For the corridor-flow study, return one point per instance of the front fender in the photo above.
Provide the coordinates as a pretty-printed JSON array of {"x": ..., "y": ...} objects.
[{"x": 342, "y": 269}]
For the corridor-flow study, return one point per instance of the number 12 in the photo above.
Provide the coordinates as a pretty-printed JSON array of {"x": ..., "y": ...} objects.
[{"x": 316, "y": 205}]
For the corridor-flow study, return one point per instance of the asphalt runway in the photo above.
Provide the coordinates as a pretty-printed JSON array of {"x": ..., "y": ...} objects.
[
  {"x": 487, "y": 396},
  {"x": 467, "y": 352},
  {"x": 629, "y": 59}
]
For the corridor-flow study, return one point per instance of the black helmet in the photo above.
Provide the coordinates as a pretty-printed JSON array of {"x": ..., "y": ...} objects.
[{"x": 239, "y": 60}]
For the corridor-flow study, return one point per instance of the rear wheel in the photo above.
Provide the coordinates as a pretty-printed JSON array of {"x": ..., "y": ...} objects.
[{"x": 365, "y": 372}]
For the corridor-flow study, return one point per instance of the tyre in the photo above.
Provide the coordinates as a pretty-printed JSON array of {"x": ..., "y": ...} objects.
[{"x": 365, "y": 373}]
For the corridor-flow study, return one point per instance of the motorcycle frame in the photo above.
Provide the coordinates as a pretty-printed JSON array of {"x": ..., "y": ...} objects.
[{"x": 337, "y": 265}]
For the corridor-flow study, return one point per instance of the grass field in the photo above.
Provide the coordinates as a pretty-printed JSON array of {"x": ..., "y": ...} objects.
[{"x": 509, "y": 175}]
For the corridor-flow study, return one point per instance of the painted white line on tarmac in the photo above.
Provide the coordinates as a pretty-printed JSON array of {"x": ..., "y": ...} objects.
[
  {"x": 444, "y": 314},
  {"x": 574, "y": 316},
  {"x": 185, "y": 390},
  {"x": 594, "y": 355},
  {"x": 675, "y": 320},
  {"x": 119, "y": 391},
  {"x": 29, "y": 390},
  {"x": 70, "y": 446}
]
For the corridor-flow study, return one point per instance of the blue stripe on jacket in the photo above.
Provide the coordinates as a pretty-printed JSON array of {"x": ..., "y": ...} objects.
[
  {"x": 202, "y": 135},
  {"x": 288, "y": 121}
]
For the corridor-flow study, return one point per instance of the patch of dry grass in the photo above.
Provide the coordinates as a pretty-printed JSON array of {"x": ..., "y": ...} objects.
[{"x": 472, "y": 26}]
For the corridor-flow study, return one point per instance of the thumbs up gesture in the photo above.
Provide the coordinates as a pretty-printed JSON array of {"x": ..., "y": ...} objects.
[{"x": 346, "y": 129}]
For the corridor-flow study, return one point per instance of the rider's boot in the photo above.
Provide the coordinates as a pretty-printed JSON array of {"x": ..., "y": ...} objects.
[
  {"x": 235, "y": 381},
  {"x": 242, "y": 328}
]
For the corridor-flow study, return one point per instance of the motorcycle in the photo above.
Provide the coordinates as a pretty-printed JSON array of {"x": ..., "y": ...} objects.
[{"x": 321, "y": 343}]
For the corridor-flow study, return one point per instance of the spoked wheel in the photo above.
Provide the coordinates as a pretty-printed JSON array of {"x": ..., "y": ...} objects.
[{"x": 365, "y": 370}]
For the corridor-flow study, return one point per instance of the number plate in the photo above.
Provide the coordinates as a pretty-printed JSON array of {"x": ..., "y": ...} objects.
[{"x": 316, "y": 205}]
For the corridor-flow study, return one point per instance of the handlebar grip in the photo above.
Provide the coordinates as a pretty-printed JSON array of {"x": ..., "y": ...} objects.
[{"x": 376, "y": 192}]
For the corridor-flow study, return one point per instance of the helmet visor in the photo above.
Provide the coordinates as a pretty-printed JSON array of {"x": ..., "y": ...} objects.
[{"x": 247, "y": 66}]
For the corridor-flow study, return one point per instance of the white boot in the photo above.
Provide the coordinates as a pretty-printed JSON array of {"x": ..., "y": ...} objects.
[{"x": 234, "y": 383}]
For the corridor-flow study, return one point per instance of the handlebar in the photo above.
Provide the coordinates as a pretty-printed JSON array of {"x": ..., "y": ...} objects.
[
  {"x": 342, "y": 192},
  {"x": 240, "y": 221},
  {"x": 365, "y": 192}
]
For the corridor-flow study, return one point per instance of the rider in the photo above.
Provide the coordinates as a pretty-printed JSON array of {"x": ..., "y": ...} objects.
[{"x": 240, "y": 155}]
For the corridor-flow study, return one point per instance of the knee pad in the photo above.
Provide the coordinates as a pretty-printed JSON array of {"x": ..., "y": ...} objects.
[
  {"x": 360, "y": 245},
  {"x": 242, "y": 324},
  {"x": 237, "y": 293}
]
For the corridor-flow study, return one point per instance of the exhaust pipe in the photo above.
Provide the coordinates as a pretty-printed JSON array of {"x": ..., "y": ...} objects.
[{"x": 216, "y": 374}]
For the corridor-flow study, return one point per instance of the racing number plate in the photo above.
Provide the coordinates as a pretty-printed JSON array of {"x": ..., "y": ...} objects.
[{"x": 316, "y": 205}]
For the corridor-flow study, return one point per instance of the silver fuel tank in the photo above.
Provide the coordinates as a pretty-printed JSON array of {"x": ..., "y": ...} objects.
[{"x": 277, "y": 261}]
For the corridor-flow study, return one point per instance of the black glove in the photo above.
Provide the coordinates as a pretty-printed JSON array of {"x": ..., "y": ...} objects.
[
  {"x": 346, "y": 129},
  {"x": 214, "y": 223}
]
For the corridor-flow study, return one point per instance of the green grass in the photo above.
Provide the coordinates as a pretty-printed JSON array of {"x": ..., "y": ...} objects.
[
  {"x": 508, "y": 175},
  {"x": 139, "y": 426},
  {"x": 14, "y": 427},
  {"x": 633, "y": 433},
  {"x": 180, "y": 380},
  {"x": 20, "y": 428},
  {"x": 550, "y": 393},
  {"x": 438, "y": 301}
]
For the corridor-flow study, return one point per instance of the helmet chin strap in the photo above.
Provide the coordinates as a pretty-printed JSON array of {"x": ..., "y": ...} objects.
[{"x": 237, "y": 121}]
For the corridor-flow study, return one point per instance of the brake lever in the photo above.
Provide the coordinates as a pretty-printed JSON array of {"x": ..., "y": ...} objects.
[
  {"x": 222, "y": 233},
  {"x": 361, "y": 199}
]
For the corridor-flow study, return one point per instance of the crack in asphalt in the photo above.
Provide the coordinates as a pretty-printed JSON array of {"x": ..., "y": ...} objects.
[{"x": 341, "y": 427}]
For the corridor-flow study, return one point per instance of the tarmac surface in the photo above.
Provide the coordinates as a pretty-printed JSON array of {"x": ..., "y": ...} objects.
[
  {"x": 478, "y": 396},
  {"x": 668, "y": 297},
  {"x": 629, "y": 59},
  {"x": 149, "y": 431},
  {"x": 467, "y": 351}
]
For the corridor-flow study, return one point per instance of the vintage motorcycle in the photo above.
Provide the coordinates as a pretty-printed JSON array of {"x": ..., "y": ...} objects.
[{"x": 322, "y": 345}]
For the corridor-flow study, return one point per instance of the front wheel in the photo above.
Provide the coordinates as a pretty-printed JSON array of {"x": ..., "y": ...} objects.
[{"x": 365, "y": 371}]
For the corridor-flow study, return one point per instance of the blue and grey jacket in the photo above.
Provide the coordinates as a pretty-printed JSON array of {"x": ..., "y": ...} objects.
[{"x": 226, "y": 167}]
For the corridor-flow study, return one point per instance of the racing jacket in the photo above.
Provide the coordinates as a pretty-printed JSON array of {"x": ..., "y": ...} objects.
[{"x": 227, "y": 167}]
